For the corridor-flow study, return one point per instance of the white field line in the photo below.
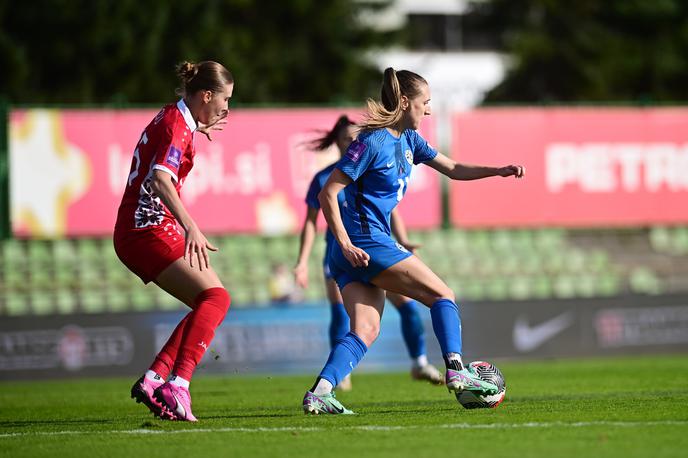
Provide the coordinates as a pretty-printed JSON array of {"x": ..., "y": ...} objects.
[{"x": 290, "y": 429}]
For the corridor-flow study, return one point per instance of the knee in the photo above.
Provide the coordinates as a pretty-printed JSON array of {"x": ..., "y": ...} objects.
[
  {"x": 441, "y": 293},
  {"x": 216, "y": 297},
  {"x": 367, "y": 331}
]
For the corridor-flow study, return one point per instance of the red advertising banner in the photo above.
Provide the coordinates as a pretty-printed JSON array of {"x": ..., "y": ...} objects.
[
  {"x": 584, "y": 167},
  {"x": 69, "y": 167}
]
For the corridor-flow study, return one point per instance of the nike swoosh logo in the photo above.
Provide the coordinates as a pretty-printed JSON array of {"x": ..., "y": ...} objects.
[
  {"x": 337, "y": 409},
  {"x": 179, "y": 408},
  {"x": 389, "y": 164},
  {"x": 528, "y": 338}
]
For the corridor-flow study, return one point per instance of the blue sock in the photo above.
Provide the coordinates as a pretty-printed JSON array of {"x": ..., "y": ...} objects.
[
  {"x": 412, "y": 329},
  {"x": 343, "y": 358},
  {"x": 446, "y": 323},
  {"x": 339, "y": 323}
]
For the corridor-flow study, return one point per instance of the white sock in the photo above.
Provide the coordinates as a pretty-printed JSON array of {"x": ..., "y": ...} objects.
[
  {"x": 151, "y": 375},
  {"x": 420, "y": 361},
  {"x": 178, "y": 381},
  {"x": 323, "y": 387},
  {"x": 455, "y": 357}
]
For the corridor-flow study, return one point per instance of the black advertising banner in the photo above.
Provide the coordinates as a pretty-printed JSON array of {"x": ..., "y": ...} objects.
[{"x": 294, "y": 340}]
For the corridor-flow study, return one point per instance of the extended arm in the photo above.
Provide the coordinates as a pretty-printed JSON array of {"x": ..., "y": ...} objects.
[{"x": 458, "y": 171}]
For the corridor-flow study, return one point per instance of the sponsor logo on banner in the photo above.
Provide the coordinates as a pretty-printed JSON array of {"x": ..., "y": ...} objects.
[
  {"x": 72, "y": 348},
  {"x": 586, "y": 167},
  {"x": 623, "y": 327},
  {"x": 617, "y": 167},
  {"x": 529, "y": 337}
]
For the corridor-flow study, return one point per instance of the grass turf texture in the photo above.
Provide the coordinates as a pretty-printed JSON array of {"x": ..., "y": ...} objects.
[{"x": 579, "y": 408}]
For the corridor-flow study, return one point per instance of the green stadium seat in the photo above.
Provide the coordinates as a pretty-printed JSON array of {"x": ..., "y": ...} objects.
[
  {"x": 64, "y": 251},
  {"x": 496, "y": 289},
  {"x": 564, "y": 286},
  {"x": 541, "y": 287},
  {"x": 66, "y": 302},
  {"x": 680, "y": 240},
  {"x": 17, "y": 304},
  {"x": 520, "y": 288},
  {"x": 92, "y": 301},
  {"x": 661, "y": 239},
  {"x": 473, "y": 290},
  {"x": 586, "y": 286},
  {"x": 42, "y": 303},
  {"x": 117, "y": 299},
  {"x": 142, "y": 299},
  {"x": 643, "y": 280},
  {"x": 608, "y": 284}
]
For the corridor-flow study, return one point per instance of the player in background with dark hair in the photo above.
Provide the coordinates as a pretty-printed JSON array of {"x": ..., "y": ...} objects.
[
  {"x": 366, "y": 261},
  {"x": 148, "y": 240},
  {"x": 341, "y": 135}
]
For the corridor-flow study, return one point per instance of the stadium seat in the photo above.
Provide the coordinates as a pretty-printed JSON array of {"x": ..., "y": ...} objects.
[
  {"x": 42, "y": 302},
  {"x": 17, "y": 304}
]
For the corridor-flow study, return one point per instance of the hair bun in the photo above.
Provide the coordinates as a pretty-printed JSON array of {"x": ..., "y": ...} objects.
[{"x": 186, "y": 71}]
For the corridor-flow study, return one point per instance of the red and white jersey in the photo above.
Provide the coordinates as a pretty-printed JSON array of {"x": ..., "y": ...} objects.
[{"x": 167, "y": 145}]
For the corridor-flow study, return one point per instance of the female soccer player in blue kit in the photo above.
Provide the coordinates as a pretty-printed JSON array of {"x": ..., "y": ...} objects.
[
  {"x": 342, "y": 134},
  {"x": 366, "y": 261}
]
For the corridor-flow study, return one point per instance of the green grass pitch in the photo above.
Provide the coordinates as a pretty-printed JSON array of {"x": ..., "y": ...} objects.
[{"x": 620, "y": 407}]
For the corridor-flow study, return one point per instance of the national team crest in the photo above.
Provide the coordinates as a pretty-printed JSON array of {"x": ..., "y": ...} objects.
[{"x": 409, "y": 156}]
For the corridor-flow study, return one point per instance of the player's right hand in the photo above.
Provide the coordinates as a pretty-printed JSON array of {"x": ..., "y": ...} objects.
[
  {"x": 197, "y": 246},
  {"x": 301, "y": 275},
  {"x": 356, "y": 256}
]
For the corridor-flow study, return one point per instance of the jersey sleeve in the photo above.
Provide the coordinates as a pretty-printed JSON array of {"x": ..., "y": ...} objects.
[
  {"x": 312, "y": 194},
  {"x": 422, "y": 151},
  {"x": 169, "y": 150},
  {"x": 358, "y": 158}
]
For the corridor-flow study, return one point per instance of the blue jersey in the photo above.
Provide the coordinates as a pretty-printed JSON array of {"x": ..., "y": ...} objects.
[
  {"x": 380, "y": 165},
  {"x": 317, "y": 184}
]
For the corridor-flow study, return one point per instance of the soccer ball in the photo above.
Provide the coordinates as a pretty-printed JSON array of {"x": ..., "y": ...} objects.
[{"x": 489, "y": 373}]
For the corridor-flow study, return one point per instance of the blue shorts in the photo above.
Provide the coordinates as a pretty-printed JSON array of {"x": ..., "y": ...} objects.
[{"x": 383, "y": 250}]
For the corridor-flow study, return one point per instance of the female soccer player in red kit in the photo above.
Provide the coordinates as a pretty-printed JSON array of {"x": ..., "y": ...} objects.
[{"x": 149, "y": 241}]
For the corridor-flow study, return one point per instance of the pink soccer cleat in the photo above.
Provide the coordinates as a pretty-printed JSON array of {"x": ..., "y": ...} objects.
[
  {"x": 176, "y": 399},
  {"x": 142, "y": 391}
]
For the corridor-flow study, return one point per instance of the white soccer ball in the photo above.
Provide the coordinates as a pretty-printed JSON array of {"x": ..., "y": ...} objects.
[{"x": 489, "y": 373}]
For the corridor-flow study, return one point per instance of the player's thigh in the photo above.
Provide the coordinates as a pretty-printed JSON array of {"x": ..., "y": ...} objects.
[
  {"x": 364, "y": 304},
  {"x": 333, "y": 293},
  {"x": 412, "y": 278},
  {"x": 185, "y": 282}
]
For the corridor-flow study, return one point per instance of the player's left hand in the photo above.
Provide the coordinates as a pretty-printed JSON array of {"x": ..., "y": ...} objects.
[
  {"x": 412, "y": 247},
  {"x": 517, "y": 171},
  {"x": 218, "y": 124}
]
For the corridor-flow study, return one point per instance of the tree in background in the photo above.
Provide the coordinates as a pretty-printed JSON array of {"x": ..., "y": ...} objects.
[
  {"x": 591, "y": 50},
  {"x": 105, "y": 51}
]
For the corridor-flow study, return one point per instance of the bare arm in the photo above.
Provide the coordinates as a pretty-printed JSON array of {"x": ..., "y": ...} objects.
[
  {"x": 195, "y": 241},
  {"x": 307, "y": 238},
  {"x": 399, "y": 231},
  {"x": 330, "y": 207},
  {"x": 458, "y": 171}
]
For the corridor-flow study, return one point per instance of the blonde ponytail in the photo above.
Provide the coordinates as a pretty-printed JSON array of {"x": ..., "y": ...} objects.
[{"x": 388, "y": 111}]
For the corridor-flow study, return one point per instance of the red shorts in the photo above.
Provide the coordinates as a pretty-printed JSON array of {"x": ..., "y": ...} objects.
[{"x": 147, "y": 252}]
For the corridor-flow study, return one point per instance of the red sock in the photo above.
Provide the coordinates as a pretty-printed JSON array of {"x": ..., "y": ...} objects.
[
  {"x": 210, "y": 309},
  {"x": 164, "y": 361}
]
